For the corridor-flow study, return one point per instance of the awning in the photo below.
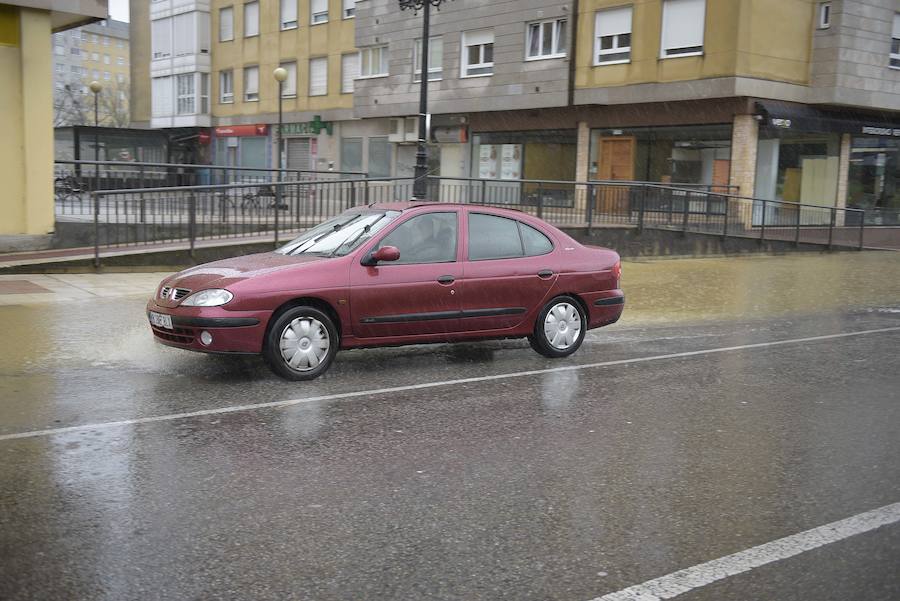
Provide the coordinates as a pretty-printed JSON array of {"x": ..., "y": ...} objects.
[{"x": 788, "y": 116}]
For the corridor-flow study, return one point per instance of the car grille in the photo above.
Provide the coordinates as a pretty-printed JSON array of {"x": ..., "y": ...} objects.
[
  {"x": 180, "y": 293},
  {"x": 177, "y": 335}
]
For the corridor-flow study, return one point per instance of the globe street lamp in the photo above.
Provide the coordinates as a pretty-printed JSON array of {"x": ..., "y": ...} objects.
[
  {"x": 95, "y": 89},
  {"x": 280, "y": 74},
  {"x": 421, "y": 173}
]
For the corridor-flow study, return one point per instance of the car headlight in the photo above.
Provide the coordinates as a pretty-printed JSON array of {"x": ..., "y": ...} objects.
[{"x": 208, "y": 298}]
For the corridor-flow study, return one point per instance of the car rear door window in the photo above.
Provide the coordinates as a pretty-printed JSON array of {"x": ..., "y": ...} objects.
[
  {"x": 428, "y": 238},
  {"x": 492, "y": 237},
  {"x": 536, "y": 243}
]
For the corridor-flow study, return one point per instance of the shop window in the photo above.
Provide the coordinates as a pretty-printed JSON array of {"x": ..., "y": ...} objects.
[
  {"x": 349, "y": 72},
  {"x": 226, "y": 87},
  {"x": 478, "y": 53},
  {"x": 251, "y": 19},
  {"x": 251, "y": 84},
  {"x": 289, "y": 89},
  {"x": 379, "y": 157},
  {"x": 351, "y": 154},
  {"x": 288, "y": 14},
  {"x": 612, "y": 36},
  {"x": 682, "y": 27},
  {"x": 798, "y": 167},
  {"x": 349, "y": 9},
  {"x": 824, "y": 15},
  {"x": 435, "y": 59},
  {"x": 895, "y": 43},
  {"x": 546, "y": 39},
  {"x": 873, "y": 181},
  {"x": 226, "y": 24},
  {"x": 373, "y": 61},
  {"x": 318, "y": 76},
  {"x": 318, "y": 10}
]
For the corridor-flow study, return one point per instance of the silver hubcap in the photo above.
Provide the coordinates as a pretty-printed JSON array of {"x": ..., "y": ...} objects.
[
  {"x": 304, "y": 343},
  {"x": 562, "y": 326}
]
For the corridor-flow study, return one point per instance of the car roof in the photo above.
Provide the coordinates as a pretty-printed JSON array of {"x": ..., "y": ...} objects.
[{"x": 415, "y": 204}]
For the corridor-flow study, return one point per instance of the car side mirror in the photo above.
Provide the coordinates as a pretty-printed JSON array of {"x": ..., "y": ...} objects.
[{"x": 385, "y": 253}]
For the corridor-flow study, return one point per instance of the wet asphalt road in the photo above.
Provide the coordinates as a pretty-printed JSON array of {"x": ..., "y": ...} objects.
[{"x": 558, "y": 485}]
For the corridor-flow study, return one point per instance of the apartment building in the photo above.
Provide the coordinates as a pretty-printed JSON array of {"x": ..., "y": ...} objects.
[
  {"x": 794, "y": 100},
  {"x": 96, "y": 52}
]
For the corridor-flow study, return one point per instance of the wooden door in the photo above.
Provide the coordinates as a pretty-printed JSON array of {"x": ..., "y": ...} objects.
[{"x": 616, "y": 163}]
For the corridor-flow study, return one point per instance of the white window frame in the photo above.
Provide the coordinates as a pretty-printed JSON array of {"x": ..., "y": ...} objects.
[
  {"x": 666, "y": 24},
  {"x": 824, "y": 15},
  {"x": 318, "y": 12},
  {"x": 465, "y": 66},
  {"x": 894, "y": 60},
  {"x": 289, "y": 90},
  {"x": 186, "y": 98},
  {"x": 226, "y": 76},
  {"x": 229, "y": 32},
  {"x": 316, "y": 63},
  {"x": 554, "y": 25},
  {"x": 251, "y": 93},
  {"x": 435, "y": 73},
  {"x": 159, "y": 49},
  {"x": 288, "y": 15},
  {"x": 615, "y": 33},
  {"x": 366, "y": 62},
  {"x": 348, "y": 9},
  {"x": 347, "y": 84},
  {"x": 250, "y": 32}
]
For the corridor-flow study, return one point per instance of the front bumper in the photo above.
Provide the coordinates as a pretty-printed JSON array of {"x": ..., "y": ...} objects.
[{"x": 232, "y": 331}]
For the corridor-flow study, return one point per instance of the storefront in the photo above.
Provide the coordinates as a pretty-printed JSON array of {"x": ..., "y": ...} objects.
[
  {"x": 244, "y": 146},
  {"x": 873, "y": 180}
]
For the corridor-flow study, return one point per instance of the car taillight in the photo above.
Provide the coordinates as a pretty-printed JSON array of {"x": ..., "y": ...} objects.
[{"x": 617, "y": 270}]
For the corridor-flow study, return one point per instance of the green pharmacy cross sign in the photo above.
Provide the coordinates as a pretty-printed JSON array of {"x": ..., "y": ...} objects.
[{"x": 313, "y": 127}]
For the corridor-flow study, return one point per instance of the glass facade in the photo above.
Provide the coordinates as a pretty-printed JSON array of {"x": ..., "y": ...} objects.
[
  {"x": 798, "y": 167},
  {"x": 873, "y": 181}
]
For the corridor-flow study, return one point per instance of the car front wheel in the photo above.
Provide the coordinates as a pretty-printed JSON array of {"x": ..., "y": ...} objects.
[
  {"x": 559, "y": 329},
  {"x": 301, "y": 344}
]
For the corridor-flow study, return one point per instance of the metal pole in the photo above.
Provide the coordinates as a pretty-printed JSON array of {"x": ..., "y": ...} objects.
[
  {"x": 280, "y": 160},
  {"x": 641, "y": 208},
  {"x": 96, "y": 229},
  {"x": 762, "y": 228},
  {"x": 419, "y": 183},
  {"x": 590, "y": 207},
  {"x": 862, "y": 229},
  {"x": 797, "y": 235},
  {"x": 831, "y": 227},
  {"x": 96, "y": 141}
]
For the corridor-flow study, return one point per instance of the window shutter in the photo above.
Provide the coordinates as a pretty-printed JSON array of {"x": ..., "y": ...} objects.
[
  {"x": 290, "y": 84},
  {"x": 613, "y": 21},
  {"x": 251, "y": 19},
  {"x": 318, "y": 76},
  {"x": 161, "y": 93},
  {"x": 184, "y": 35},
  {"x": 162, "y": 38},
  {"x": 203, "y": 32},
  {"x": 683, "y": 22},
  {"x": 319, "y": 6},
  {"x": 349, "y": 71},
  {"x": 289, "y": 13},
  {"x": 251, "y": 80},
  {"x": 477, "y": 38},
  {"x": 226, "y": 24},
  {"x": 349, "y": 8}
]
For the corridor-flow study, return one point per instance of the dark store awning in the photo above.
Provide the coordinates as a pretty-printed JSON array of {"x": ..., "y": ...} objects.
[{"x": 788, "y": 116}]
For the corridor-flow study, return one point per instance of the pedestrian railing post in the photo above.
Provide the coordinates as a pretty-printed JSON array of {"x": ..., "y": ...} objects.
[
  {"x": 483, "y": 190},
  {"x": 684, "y": 217},
  {"x": 540, "y": 202},
  {"x": 96, "y": 203},
  {"x": 862, "y": 229},
  {"x": 143, "y": 203},
  {"x": 192, "y": 221},
  {"x": 831, "y": 226},
  {"x": 762, "y": 225},
  {"x": 590, "y": 207},
  {"x": 797, "y": 234},
  {"x": 366, "y": 190},
  {"x": 725, "y": 218},
  {"x": 642, "y": 208}
]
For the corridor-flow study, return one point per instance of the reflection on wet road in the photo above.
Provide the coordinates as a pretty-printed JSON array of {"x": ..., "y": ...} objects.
[{"x": 565, "y": 484}]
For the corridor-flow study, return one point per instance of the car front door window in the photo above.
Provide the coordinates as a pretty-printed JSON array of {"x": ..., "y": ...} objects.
[{"x": 428, "y": 238}]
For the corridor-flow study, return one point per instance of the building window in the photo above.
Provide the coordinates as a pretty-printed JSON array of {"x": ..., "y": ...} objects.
[
  {"x": 161, "y": 38},
  {"x": 612, "y": 36},
  {"x": 95, "y": 57},
  {"x": 226, "y": 24},
  {"x": 318, "y": 76},
  {"x": 185, "y": 37},
  {"x": 351, "y": 155},
  {"x": 895, "y": 43},
  {"x": 546, "y": 39},
  {"x": 226, "y": 87},
  {"x": 75, "y": 51},
  {"x": 824, "y": 15},
  {"x": 318, "y": 11},
  {"x": 105, "y": 40},
  {"x": 59, "y": 50},
  {"x": 349, "y": 9},
  {"x": 107, "y": 75},
  {"x": 251, "y": 84},
  {"x": 435, "y": 59},
  {"x": 289, "y": 90},
  {"x": 94, "y": 38},
  {"x": 373, "y": 61},
  {"x": 288, "y": 14},
  {"x": 349, "y": 71},
  {"x": 478, "y": 53},
  {"x": 120, "y": 78},
  {"x": 251, "y": 19},
  {"x": 84, "y": 36},
  {"x": 105, "y": 59},
  {"x": 682, "y": 27},
  {"x": 96, "y": 74},
  {"x": 379, "y": 157},
  {"x": 185, "y": 94},
  {"x": 204, "y": 93},
  {"x": 120, "y": 43},
  {"x": 120, "y": 61}
]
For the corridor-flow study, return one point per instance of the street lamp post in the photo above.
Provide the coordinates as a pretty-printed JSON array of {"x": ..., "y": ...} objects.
[
  {"x": 420, "y": 183},
  {"x": 95, "y": 89},
  {"x": 280, "y": 74}
]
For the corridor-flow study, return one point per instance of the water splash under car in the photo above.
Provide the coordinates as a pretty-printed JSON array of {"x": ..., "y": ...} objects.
[{"x": 392, "y": 274}]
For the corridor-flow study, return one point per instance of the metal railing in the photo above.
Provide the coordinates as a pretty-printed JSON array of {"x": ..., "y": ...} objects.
[{"x": 139, "y": 216}]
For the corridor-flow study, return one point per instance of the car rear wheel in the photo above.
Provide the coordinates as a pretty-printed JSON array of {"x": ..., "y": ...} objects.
[
  {"x": 301, "y": 344},
  {"x": 559, "y": 329}
]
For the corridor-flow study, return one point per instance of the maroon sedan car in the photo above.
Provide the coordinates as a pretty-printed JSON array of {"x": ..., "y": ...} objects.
[{"x": 392, "y": 274}]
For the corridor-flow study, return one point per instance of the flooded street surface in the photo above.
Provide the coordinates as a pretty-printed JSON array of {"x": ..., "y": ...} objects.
[{"x": 737, "y": 402}]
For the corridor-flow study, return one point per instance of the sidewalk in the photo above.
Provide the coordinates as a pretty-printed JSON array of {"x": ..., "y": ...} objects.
[{"x": 38, "y": 289}]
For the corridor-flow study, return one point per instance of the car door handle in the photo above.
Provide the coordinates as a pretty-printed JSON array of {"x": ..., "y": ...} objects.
[
  {"x": 545, "y": 273},
  {"x": 446, "y": 279}
]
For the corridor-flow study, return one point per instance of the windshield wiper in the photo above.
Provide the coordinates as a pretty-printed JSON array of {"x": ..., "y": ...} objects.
[
  {"x": 351, "y": 243},
  {"x": 337, "y": 227}
]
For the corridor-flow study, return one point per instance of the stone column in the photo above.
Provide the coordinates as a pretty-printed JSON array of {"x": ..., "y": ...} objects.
[
  {"x": 582, "y": 158},
  {"x": 843, "y": 178},
  {"x": 744, "y": 139}
]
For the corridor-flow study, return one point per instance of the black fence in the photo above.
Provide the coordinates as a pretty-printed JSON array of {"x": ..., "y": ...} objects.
[{"x": 147, "y": 216}]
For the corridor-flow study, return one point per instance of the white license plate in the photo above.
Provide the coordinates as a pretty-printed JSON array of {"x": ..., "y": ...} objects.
[{"x": 160, "y": 320}]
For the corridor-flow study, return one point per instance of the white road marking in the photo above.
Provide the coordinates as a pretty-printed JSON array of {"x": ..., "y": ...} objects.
[
  {"x": 395, "y": 389},
  {"x": 700, "y": 575}
]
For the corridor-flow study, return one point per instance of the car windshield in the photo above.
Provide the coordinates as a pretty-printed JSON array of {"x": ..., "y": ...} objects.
[{"x": 339, "y": 235}]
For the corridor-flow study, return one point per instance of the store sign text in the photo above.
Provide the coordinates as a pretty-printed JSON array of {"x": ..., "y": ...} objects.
[
  {"x": 307, "y": 128},
  {"x": 881, "y": 131}
]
